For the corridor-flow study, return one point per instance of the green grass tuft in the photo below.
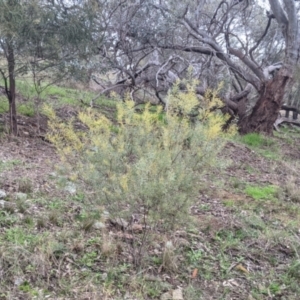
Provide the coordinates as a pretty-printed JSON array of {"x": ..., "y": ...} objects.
[
  {"x": 26, "y": 109},
  {"x": 3, "y": 105},
  {"x": 256, "y": 140},
  {"x": 259, "y": 193}
]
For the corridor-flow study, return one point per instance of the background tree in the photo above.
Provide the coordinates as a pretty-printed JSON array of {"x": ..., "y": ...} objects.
[
  {"x": 47, "y": 38},
  {"x": 251, "y": 50},
  {"x": 223, "y": 36}
]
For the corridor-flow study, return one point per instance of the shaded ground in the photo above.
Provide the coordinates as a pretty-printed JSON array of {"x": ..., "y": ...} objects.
[
  {"x": 238, "y": 247},
  {"x": 25, "y": 159}
]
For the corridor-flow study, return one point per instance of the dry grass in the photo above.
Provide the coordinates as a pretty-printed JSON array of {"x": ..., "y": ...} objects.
[{"x": 292, "y": 189}]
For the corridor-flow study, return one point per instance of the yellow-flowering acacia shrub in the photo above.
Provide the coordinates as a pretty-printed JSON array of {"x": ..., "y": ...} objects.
[{"x": 149, "y": 162}]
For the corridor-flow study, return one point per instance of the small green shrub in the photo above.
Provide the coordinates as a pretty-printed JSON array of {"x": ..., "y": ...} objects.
[
  {"x": 145, "y": 164},
  {"x": 258, "y": 193},
  {"x": 18, "y": 236}
]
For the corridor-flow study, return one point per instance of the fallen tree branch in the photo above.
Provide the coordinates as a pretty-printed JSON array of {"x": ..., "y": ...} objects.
[
  {"x": 268, "y": 71},
  {"x": 282, "y": 120}
]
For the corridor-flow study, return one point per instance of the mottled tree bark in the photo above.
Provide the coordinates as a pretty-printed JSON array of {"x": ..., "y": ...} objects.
[{"x": 266, "y": 109}]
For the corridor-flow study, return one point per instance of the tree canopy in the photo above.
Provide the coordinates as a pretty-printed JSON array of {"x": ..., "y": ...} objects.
[{"x": 45, "y": 38}]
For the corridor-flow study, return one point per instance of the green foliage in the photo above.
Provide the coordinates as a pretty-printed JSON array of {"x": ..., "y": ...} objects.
[
  {"x": 256, "y": 140},
  {"x": 46, "y": 42},
  {"x": 26, "y": 89},
  {"x": 195, "y": 257},
  {"x": 144, "y": 164},
  {"x": 59, "y": 96},
  {"x": 26, "y": 109},
  {"x": 3, "y": 105},
  {"x": 27, "y": 288},
  {"x": 258, "y": 193},
  {"x": 89, "y": 258},
  {"x": 59, "y": 91},
  {"x": 63, "y": 95},
  {"x": 294, "y": 269},
  {"x": 18, "y": 236},
  {"x": 263, "y": 145}
]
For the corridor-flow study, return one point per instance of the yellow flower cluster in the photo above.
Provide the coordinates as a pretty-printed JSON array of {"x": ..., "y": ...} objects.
[{"x": 151, "y": 157}]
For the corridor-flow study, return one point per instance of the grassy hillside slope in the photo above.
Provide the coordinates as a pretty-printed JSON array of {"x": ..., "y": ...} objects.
[{"x": 243, "y": 240}]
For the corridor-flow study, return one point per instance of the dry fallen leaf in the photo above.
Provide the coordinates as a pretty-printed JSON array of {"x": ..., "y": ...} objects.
[
  {"x": 239, "y": 267},
  {"x": 195, "y": 273}
]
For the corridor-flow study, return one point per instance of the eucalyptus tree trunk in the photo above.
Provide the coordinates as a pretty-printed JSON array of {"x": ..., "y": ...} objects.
[
  {"x": 271, "y": 92},
  {"x": 266, "y": 109},
  {"x": 190, "y": 30}
]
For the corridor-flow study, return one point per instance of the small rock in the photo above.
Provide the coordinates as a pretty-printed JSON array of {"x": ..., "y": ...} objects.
[
  {"x": 181, "y": 242},
  {"x": 169, "y": 245},
  {"x": 137, "y": 228},
  {"x": 3, "y": 203},
  {"x": 119, "y": 222},
  {"x": 128, "y": 296},
  {"x": 181, "y": 233},
  {"x": 261, "y": 287},
  {"x": 20, "y": 216},
  {"x": 177, "y": 294},
  {"x": 70, "y": 188},
  {"x": 105, "y": 215},
  {"x": 124, "y": 236},
  {"x": 156, "y": 251},
  {"x": 2, "y": 194},
  {"x": 18, "y": 281},
  {"x": 157, "y": 246},
  {"x": 166, "y": 296},
  {"x": 21, "y": 196},
  {"x": 6, "y": 204},
  {"x": 99, "y": 225}
]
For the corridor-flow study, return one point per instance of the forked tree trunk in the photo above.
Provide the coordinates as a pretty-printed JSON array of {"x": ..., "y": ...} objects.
[{"x": 265, "y": 111}]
